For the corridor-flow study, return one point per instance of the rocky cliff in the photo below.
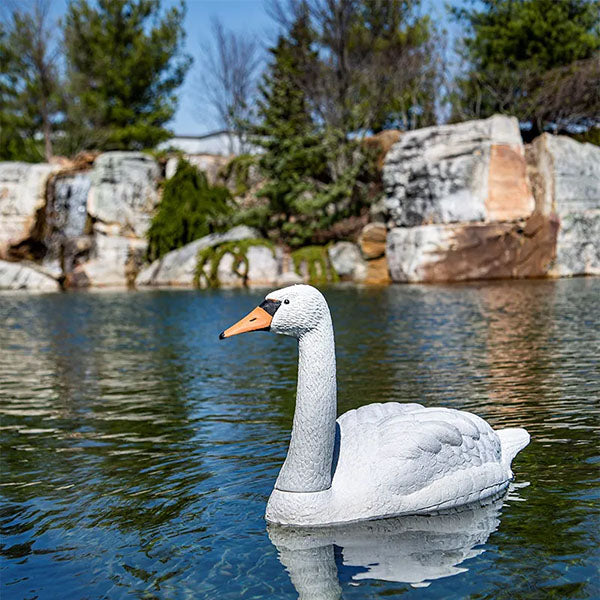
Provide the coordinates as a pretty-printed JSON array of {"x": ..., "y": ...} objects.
[
  {"x": 468, "y": 201},
  {"x": 81, "y": 224},
  {"x": 465, "y": 201}
]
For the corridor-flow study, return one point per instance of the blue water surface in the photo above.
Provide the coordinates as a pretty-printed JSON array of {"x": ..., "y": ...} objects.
[{"x": 138, "y": 450}]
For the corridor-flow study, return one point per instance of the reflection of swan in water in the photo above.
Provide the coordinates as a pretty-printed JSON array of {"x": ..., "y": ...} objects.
[{"x": 411, "y": 549}]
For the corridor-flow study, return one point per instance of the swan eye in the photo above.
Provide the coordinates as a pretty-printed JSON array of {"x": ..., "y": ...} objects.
[{"x": 286, "y": 301}]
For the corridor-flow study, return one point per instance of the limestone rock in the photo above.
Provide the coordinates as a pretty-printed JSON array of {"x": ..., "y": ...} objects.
[
  {"x": 171, "y": 167},
  {"x": 19, "y": 276},
  {"x": 66, "y": 211},
  {"x": 124, "y": 191},
  {"x": 264, "y": 266},
  {"x": 228, "y": 277},
  {"x": 346, "y": 260},
  {"x": 567, "y": 177},
  {"x": 211, "y": 164},
  {"x": 468, "y": 172},
  {"x": 578, "y": 245},
  {"x": 372, "y": 240},
  {"x": 113, "y": 262},
  {"x": 457, "y": 252},
  {"x": 289, "y": 278},
  {"x": 178, "y": 267},
  {"x": 377, "y": 272},
  {"x": 22, "y": 195}
]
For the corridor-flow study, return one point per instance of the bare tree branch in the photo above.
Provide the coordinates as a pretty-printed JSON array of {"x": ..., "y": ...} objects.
[{"x": 231, "y": 64}]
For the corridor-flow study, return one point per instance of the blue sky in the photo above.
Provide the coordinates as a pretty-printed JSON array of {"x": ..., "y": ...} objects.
[
  {"x": 247, "y": 16},
  {"x": 240, "y": 16}
]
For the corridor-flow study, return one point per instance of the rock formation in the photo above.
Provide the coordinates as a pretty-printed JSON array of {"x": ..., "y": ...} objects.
[
  {"x": 84, "y": 226},
  {"x": 463, "y": 203},
  {"x": 20, "y": 276},
  {"x": 22, "y": 197},
  {"x": 460, "y": 202},
  {"x": 566, "y": 177},
  {"x": 124, "y": 192},
  {"x": 178, "y": 267},
  {"x": 372, "y": 242},
  {"x": 346, "y": 260},
  {"x": 473, "y": 171}
]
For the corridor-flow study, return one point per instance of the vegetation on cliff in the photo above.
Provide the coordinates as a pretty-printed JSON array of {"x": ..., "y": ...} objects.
[
  {"x": 314, "y": 262},
  {"x": 190, "y": 208},
  {"x": 208, "y": 260},
  {"x": 315, "y": 176}
]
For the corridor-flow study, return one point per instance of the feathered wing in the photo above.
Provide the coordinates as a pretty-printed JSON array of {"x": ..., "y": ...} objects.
[{"x": 424, "y": 458}]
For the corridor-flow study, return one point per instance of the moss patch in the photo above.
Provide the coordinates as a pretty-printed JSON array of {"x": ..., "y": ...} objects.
[
  {"x": 317, "y": 264},
  {"x": 213, "y": 255}
]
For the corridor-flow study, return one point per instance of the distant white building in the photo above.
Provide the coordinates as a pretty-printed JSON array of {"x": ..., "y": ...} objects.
[{"x": 223, "y": 143}]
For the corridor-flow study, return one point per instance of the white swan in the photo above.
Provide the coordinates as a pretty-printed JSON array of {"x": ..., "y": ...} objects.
[{"x": 379, "y": 460}]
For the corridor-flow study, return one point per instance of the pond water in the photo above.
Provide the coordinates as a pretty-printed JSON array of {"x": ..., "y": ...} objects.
[{"x": 138, "y": 450}]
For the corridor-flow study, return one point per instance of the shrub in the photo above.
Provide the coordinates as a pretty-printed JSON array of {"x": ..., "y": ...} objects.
[{"x": 190, "y": 208}]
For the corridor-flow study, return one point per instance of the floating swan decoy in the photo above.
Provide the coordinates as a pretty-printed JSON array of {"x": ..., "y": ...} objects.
[{"x": 377, "y": 461}]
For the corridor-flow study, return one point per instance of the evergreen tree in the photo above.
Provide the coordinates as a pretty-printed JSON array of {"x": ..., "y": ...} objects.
[
  {"x": 124, "y": 63},
  {"x": 524, "y": 55},
  {"x": 392, "y": 57},
  {"x": 312, "y": 171},
  {"x": 30, "y": 101},
  {"x": 190, "y": 209}
]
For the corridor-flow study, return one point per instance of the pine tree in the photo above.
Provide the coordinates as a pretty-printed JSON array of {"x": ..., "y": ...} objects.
[
  {"x": 124, "y": 63},
  {"x": 535, "y": 59},
  {"x": 311, "y": 170},
  {"x": 190, "y": 208}
]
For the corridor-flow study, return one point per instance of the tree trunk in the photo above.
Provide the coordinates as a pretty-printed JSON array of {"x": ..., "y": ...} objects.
[{"x": 47, "y": 131}]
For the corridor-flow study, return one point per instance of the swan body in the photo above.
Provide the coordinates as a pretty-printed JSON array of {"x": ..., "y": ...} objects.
[{"x": 380, "y": 460}]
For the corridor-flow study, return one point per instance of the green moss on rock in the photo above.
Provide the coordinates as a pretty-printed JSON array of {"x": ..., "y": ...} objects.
[
  {"x": 317, "y": 264},
  {"x": 211, "y": 257}
]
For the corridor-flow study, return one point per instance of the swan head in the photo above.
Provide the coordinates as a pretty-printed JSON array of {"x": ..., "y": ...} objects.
[{"x": 293, "y": 311}]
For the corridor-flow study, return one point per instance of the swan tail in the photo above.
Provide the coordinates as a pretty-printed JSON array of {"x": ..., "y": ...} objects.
[{"x": 512, "y": 441}]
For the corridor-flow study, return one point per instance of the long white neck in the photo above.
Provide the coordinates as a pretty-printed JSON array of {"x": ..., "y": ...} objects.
[{"x": 307, "y": 467}]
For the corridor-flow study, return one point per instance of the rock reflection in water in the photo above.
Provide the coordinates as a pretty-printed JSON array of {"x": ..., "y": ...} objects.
[{"x": 412, "y": 549}]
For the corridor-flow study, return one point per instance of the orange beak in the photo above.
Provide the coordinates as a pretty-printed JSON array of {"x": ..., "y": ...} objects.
[{"x": 258, "y": 319}]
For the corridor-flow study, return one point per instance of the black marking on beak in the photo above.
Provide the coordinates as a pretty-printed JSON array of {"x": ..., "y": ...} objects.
[
  {"x": 270, "y": 306},
  {"x": 222, "y": 335}
]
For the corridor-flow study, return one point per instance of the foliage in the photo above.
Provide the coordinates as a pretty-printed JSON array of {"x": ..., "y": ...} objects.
[
  {"x": 536, "y": 59},
  {"x": 315, "y": 175},
  {"x": 392, "y": 64},
  {"x": 238, "y": 172},
  {"x": 376, "y": 64},
  {"x": 316, "y": 261},
  {"x": 190, "y": 208},
  {"x": 124, "y": 62},
  {"x": 30, "y": 99},
  {"x": 212, "y": 256}
]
